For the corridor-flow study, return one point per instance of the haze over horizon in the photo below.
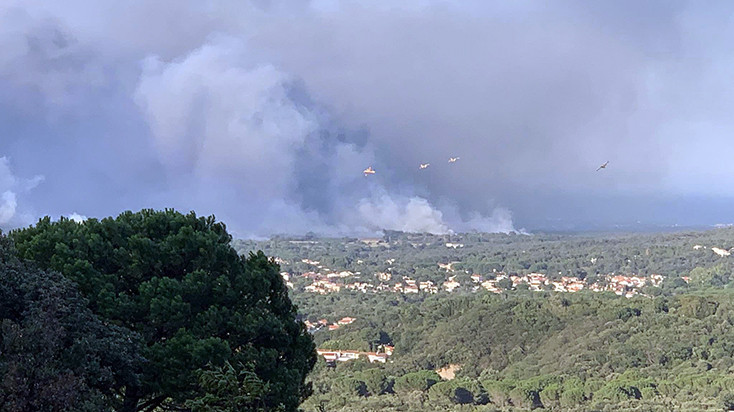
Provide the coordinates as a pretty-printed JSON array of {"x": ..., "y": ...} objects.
[{"x": 265, "y": 113}]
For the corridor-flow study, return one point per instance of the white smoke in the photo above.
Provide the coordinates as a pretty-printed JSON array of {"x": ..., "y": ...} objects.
[
  {"x": 229, "y": 135},
  {"x": 219, "y": 133},
  {"x": 408, "y": 215},
  {"x": 216, "y": 117},
  {"x": 8, "y": 204},
  {"x": 77, "y": 217},
  {"x": 10, "y": 188},
  {"x": 499, "y": 221}
]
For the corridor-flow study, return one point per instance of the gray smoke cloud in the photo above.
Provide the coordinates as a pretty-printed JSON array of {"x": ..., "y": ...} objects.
[
  {"x": 223, "y": 121},
  {"x": 266, "y": 112}
]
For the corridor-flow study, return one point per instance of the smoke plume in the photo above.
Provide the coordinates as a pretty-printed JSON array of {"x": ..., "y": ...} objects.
[{"x": 265, "y": 113}]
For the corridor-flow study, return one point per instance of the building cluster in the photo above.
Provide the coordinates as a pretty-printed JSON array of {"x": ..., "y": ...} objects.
[
  {"x": 449, "y": 267},
  {"x": 323, "y": 286},
  {"x": 410, "y": 285},
  {"x": 451, "y": 284},
  {"x": 376, "y": 242},
  {"x": 454, "y": 245},
  {"x": 287, "y": 279},
  {"x": 331, "y": 356},
  {"x": 327, "y": 281},
  {"x": 565, "y": 284},
  {"x": 622, "y": 285},
  {"x": 719, "y": 251},
  {"x": 325, "y": 324},
  {"x": 281, "y": 261},
  {"x": 626, "y": 286},
  {"x": 312, "y": 262},
  {"x": 363, "y": 287},
  {"x": 383, "y": 276}
]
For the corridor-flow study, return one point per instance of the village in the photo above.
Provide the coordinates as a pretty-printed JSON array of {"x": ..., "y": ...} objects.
[
  {"x": 331, "y": 282},
  {"x": 325, "y": 281},
  {"x": 368, "y": 275},
  {"x": 627, "y": 286}
]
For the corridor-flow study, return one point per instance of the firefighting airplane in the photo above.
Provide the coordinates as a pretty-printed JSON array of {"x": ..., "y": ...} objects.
[
  {"x": 424, "y": 165},
  {"x": 453, "y": 159},
  {"x": 604, "y": 166},
  {"x": 368, "y": 171}
]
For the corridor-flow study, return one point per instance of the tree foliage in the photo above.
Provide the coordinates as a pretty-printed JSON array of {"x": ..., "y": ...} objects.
[
  {"x": 229, "y": 389},
  {"x": 175, "y": 280},
  {"x": 579, "y": 351},
  {"x": 55, "y": 355}
]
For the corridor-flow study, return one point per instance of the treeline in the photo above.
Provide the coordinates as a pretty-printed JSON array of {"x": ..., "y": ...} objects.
[{"x": 581, "y": 351}]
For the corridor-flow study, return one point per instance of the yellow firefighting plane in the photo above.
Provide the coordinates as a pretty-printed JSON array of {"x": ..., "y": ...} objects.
[
  {"x": 453, "y": 159},
  {"x": 424, "y": 165},
  {"x": 368, "y": 171},
  {"x": 604, "y": 166}
]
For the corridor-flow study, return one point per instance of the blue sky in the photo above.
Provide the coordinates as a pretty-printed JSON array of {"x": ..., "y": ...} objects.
[{"x": 264, "y": 113}]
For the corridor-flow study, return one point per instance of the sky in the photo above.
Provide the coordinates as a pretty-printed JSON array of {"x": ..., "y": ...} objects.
[{"x": 265, "y": 113}]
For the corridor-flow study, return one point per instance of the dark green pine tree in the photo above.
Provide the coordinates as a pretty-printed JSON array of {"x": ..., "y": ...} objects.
[
  {"x": 176, "y": 280},
  {"x": 55, "y": 355}
]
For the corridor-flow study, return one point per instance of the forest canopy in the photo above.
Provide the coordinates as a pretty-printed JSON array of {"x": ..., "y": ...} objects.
[{"x": 667, "y": 346}]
